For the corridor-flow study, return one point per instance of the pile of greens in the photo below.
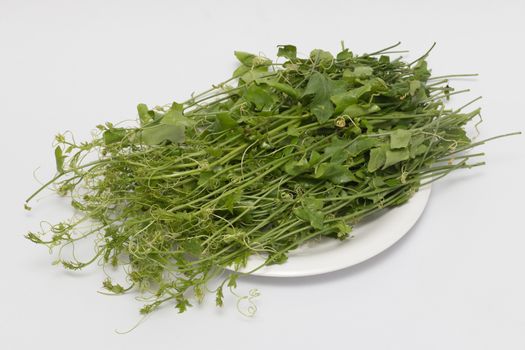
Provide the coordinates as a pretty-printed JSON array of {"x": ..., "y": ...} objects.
[{"x": 279, "y": 154}]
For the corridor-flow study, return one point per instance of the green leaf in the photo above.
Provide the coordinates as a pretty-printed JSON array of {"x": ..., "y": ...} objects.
[
  {"x": 297, "y": 167},
  {"x": 377, "y": 182},
  {"x": 229, "y": 201},
  {"x": 315, "y": 157},
  {"x": 313, "y": 203},
  {"x": 219, "y": 296},
  {"x": 360, "y": 110},
  {"x": 338, "y": 86},
  {"x": 363, "y": 71},
  {"x": 174, "y": 116},
  {"x": 359, "y": 72},
  {"x": 192, "y": 246},
  {"x": 292, "y": 131},
  {"x": 310, "y": 212},
  {"x": 345, "y": 55},
  {"x": 232, "y": 281},
  {"x": 377, "y": 158},
  {"x": 254, "y": 74},
  {"x": 336, "y": 151},
  {"x": 400, "y": 138},
  {"x": 417, "y": 150},
  {"x": 260, "y": 97},
  {"x": 343, "y": 229},
  {"x": 323, "y": 110},
  {"x": 342, "y": 101},
  {"x": 114, "y": 135},
  {"x": 376, "y": 85},
  {"x": 144, "y": 115},
  {"x": 336, "y": 146},
  {"x": 204, "y": 177},
  {"x": 59, "y": 159},
  {"x": 241, "y": 70},
  {"x": 394, "y": 157},
  {"x": 287, "y": 51},
  {"x": 251, "y": 60},
  {"x": 276, "y": 258},
  {"x": 182, "y": 304},
  {"x": 348, "y": 98},
  {"x": 362, "y": 144},
  {"x": 172, "y": 127},
  {"x": 322, "y": 57},
  {"x": 421, "y": 71},
  {"x": 156, "y": 134},
  {"x": 223, "y": 121},
  {"x": 320, "y": 86},
  {"x": 414, "y": 86},
  {"x": 336, "y": 173}
]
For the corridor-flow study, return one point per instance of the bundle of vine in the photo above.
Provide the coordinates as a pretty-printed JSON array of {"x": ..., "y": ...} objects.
[{"x": 279, "y": 154}]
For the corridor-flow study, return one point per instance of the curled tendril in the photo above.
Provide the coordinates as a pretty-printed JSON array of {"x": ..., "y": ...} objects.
[{"x": 246, "y": 304}]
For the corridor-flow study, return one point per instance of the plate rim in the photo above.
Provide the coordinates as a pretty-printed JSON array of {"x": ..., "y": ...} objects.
[{"x": 273, "y": 270}]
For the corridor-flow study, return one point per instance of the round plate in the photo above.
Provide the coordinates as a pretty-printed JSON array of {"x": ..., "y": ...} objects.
[{"x": 369, "y": 238}]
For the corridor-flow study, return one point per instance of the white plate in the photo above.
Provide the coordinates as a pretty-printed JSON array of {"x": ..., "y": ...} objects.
[{"x": 368, "y": 238}]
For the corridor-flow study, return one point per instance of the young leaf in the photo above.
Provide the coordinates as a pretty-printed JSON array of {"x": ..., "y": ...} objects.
[
  {"x": 322, "y": 57},
  {"x": 297, "y": 167},
  {"x": 348, "y": 98},
  {"x": 343, "y": 229},
  {"x": 393, "y": 157},
  {"x": 174, "y": 116},
  {"x": 59, "y": 159},
  {"x": 232, "y": 281},
  {"x": 315, "y": 158},
  {"x": 192, "y": 246},
  {"x": 156, "y": 134},
  {"x": 205, "y": 178},
  {"x": 336, "y": 173},
  {"x": 336, "y": 146},
  {"x": 114, "y": 135},
  {"x": 344, "y": 55},
  {"x": 416, "y": 150},
  {"x": 144, "y": 114},
  {"x": 310, "y": 212},
  {"x": 287, "y": 51},
  {"x": 323, "y": 110},
  {"x": 321, "y": 88},
  {"x": 260, "y": 97},
  {"x": 376, "y": 84},
  {"x": 254, "y": 74},
  {"x": 400, "y": 138},
  {"x": 359, "y": 72},
  {"x": 360, "y": 110},
  {"x": 414, "y": 86},
  {"x": 363, "y": 71},
  {"x": 421, "y": 72},
  {"x": 362, "y": 144},
  {"x": 172, "y": 127},
  {"x": 240, "y": 71},
  {"x": 251, "y": 60},
  {"x": 377, "y": 158},
  {"x": 219, "y": 297},
  {"x": 223, "y": 121},
  {"x": 229, "y": 201},
  {"x": 182, "y": 304}
]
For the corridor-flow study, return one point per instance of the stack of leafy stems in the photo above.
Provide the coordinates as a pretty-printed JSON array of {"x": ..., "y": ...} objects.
[{"x": 293, "y": 152}]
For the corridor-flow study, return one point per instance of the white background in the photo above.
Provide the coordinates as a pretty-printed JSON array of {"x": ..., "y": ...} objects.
[{"x": 456, "y": 281}]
